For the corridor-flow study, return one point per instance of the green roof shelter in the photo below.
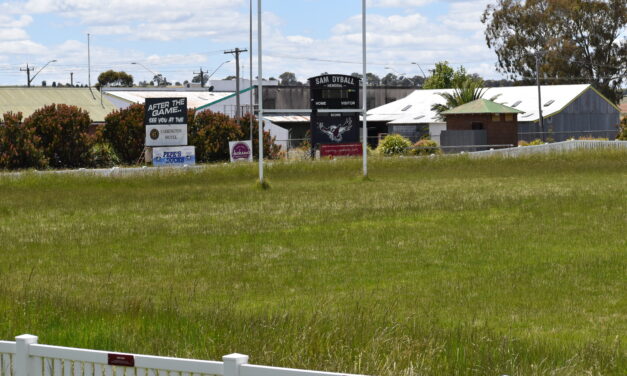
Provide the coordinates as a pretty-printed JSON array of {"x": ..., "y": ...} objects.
[
  {"x": 29, "y": 99},
  {"x": 481, "y": 122}
]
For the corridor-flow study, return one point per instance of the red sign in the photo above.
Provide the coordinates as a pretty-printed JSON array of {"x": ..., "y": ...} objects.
[
  {"x": 336, "y": 150},
  {"x": 121, "y": 360}
]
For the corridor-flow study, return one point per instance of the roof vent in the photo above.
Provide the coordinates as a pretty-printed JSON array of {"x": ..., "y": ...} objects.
[
  {"x": 547, "y": 104},
  {"x": 406, "y": 107},
  {"x": 516, "y": 103}
]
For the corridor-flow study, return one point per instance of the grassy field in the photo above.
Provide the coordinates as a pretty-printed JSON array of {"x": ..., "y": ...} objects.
[{"x": 444, "y": 266}]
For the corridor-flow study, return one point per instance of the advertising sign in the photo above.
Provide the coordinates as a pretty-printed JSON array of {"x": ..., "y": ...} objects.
[
  {"x": 336, "y": 128},
  {"x": 241, "y": 151},
  {"x": 340, "y": 150},
  {"x": 166, "y": 121},
  {"x": 174, "y": 156}
]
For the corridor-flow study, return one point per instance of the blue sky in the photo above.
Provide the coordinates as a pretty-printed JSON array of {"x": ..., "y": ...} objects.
[{"x": 306, "y": 37}]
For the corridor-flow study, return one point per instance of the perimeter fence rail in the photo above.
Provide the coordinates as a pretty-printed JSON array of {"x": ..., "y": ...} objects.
[
  {"x": 552, "y": 148},
  {"x": 25, "y": 357}
]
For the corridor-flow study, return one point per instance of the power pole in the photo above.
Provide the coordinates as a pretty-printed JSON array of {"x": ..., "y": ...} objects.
[
  {"x": 72, "y": 79},
  {"x": 236, "y": 53},
  {"x": 202, "y": 77},
  {"x": 27, "y": 70},
  {"x": 538, "y": 56}
]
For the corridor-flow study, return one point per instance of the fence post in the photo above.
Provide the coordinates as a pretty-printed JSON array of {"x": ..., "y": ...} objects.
[
  {"x": 22, "y": 354},
  {"x": 232, "y": 363}
]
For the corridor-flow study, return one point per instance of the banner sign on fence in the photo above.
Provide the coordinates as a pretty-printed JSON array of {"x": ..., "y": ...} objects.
[
  {"x": 241, "y": 151},
  {"x": 174, "y": 156},
  {"x": 340, "y": 150},
  {"x": 121, "y": 360},
  {"x": 166, "y": 121}
]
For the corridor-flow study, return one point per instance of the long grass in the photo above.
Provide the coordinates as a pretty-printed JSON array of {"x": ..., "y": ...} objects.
[{"x": 433, "y": 266}]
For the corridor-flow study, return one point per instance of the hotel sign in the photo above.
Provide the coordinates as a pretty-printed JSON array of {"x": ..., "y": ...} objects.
[{"x": 166, "y": 121}]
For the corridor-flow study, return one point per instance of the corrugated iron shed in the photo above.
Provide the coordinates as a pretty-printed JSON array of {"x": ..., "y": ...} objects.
[{"x": 28, "y": 100}]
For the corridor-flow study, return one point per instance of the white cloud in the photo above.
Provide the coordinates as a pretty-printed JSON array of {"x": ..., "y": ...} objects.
[{"x": 397, "y": 3}]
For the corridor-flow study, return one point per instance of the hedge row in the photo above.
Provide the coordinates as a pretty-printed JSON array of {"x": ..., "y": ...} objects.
[{"x": 60, "y": 136}]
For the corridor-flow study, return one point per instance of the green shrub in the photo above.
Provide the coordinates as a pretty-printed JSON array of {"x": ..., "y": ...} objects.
[
  {"x": 210, "y": 132},
  {"x": 523, "y": 143},
  {"x": 537, "y": 141},
  {"x": 103, "y": 155},
  {"x": 393, "y": 144},
  {"x": 124, "y": 130},
  {"x": 18, "y": 147},
  {"x": 426, "y": 147},
  {"x": 62, "y": 134}
]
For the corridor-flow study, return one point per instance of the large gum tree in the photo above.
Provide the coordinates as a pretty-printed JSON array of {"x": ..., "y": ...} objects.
[{"x": 579, "y": 41}]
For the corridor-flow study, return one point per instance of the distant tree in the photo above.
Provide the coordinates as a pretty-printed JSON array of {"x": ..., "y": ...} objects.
[
  {"x": 160, "y": 80},
  {"x": 44, "y": 83},
  {"x": 230, "y": 77},
  {"x": 445, "y": 77},
  {"x": 205, "y": 79},
  {"x": 582, "y": 41},
  {"x": 289, "y": 79},
  {"x": 185, "y": 82},
  {"x": 389, "y": 79},
  {"x": 113, "y": 78},
  {"x": 373, "y": 79},
  {"x": 177, "y": 83}
]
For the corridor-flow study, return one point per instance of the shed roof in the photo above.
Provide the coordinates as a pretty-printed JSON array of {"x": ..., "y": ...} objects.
[
  {"x": 195, "y": 99},
  {"x": 481, "y": 106},
  {"x": 29, "y": 99},
  {"x": 416, "y": 107}
]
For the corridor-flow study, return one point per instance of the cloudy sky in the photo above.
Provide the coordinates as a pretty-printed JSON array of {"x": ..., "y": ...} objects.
[{"x": 177, "y": 38}]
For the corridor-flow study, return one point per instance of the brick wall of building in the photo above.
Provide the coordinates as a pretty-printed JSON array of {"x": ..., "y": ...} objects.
[{"x": 500, "y": 128}]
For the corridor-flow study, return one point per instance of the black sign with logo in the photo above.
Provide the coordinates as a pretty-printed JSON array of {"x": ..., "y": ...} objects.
[
  {"x": 334, "y": 91},
  {"x": 334, "y": 128},
  {"x": 165, "y": 111}
]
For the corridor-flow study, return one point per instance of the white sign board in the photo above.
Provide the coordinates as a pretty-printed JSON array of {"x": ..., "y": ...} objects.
[
  {"x": 174, "y": 156},
  {"x": 166, "y": 135},
  {"x": 241, "y": 151}
]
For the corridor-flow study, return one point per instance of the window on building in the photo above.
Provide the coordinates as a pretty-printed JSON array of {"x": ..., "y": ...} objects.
[
  {"x": 509, "y": 117},
  {"x": 496, "y": 117}
]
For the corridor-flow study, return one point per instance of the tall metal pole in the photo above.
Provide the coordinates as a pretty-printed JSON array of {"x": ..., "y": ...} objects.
[
  {"x": 260, "y": 93},
  {"x": 88, "y": 62},
  {"x": 538, "y": 55},
  {"x": 250, "y": 55},
  {"x": 364, "y": 82}
]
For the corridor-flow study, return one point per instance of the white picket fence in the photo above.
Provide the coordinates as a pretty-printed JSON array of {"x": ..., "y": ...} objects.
[
  {"x": 25, "y": 357},
  {"x": 551, "y": 148}
]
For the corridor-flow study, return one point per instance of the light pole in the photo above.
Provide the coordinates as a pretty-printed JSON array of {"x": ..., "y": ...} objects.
[
  {"x": 538, "y": 55},
  {"x": 215, "y": 70},
  {"x": 31, "y": 79},
  {"x": 421, "y": 71},
  {"x": 149, "y": 70}
]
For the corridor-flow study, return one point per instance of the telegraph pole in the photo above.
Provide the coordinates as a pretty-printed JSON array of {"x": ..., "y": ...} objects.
[
  {"x": 202, "y": 77},
  {"x": 236, "y": 53},
  {"x": 538, "y": 56},
  {"x": 27, "y": 70},
  {"x": 72, "y": 79}
]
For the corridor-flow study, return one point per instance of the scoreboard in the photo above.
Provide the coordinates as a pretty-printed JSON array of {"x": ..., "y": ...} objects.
[{"x": 334, "y": 91}]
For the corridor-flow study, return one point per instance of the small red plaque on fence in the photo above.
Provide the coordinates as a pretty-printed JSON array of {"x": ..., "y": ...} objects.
[
  {"x": 340, "y": 149},
  {"x": 121, "y": 360}
]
